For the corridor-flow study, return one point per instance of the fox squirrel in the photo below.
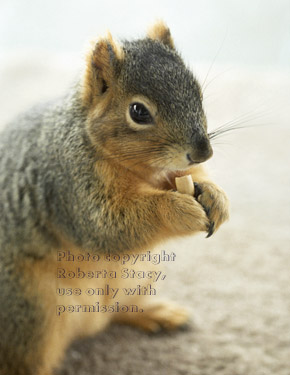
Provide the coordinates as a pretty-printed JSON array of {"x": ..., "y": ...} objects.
[{"x": 94, "y": 171}]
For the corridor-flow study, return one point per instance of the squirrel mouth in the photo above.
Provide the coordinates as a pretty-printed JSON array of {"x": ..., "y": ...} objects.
[{"x": 191, "y": 162}]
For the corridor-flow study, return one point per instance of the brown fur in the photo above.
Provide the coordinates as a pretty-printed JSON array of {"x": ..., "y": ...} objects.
[
  {"x": 98, "y": 60},
  {"x": 131, "y": 190},
  {"x": 159, "y": 31},
  {"x": 62, "y": 330}
]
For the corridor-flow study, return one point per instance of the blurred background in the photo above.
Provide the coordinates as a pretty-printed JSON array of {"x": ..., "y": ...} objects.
[
  {"x": 254, "y": 32},
  {"x": 235, "y": 284},
  {"x": 37, "y": 35}
]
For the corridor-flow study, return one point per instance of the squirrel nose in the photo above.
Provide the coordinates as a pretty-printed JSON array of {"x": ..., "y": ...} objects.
[{"x": 201, "y": 150}]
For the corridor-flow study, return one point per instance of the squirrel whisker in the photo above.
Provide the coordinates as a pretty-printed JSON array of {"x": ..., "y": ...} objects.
[{"x": 238, "y": 123}]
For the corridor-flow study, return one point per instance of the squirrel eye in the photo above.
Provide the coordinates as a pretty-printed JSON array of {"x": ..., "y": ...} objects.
[{"x": 140, "y": 114}]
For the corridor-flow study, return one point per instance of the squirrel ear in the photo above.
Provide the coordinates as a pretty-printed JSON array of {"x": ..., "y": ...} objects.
[
  {"x": 102, "y": 66},
  {"x": 160, "y": 31}
]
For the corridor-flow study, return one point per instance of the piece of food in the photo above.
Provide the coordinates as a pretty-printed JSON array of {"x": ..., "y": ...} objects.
[{"x": 185, "y": 185}]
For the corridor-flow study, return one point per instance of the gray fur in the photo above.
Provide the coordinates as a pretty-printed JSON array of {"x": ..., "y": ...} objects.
[
  {"x": 159, "y": 73},
  {"x": 48, "y": 183}
]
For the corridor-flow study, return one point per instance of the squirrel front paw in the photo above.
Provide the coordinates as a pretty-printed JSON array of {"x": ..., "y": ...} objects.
[
  {"x": 214, "y": 202},
  {"x": 184, "y": 215}
]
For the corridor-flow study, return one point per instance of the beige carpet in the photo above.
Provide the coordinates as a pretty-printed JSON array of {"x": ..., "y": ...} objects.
[{"x": 235, "y": 284}]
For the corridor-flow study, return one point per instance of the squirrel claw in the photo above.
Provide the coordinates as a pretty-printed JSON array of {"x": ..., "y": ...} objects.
[
  {"x": 197, "y": 193},
  {"x": 210, "y": 230},
  {"x": 207, "y": 211},
  {"x": 197, "y": 190}
]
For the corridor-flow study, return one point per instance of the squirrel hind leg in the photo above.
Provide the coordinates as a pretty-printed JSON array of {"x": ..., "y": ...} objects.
[{"x": 156, "y": 317}]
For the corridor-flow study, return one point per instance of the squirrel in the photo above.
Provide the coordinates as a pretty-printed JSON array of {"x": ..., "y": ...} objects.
[{"x": 94, "y": 171}]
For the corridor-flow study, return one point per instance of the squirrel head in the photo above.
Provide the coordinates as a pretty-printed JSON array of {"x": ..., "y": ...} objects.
[{"x": 144, "y": 105}]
